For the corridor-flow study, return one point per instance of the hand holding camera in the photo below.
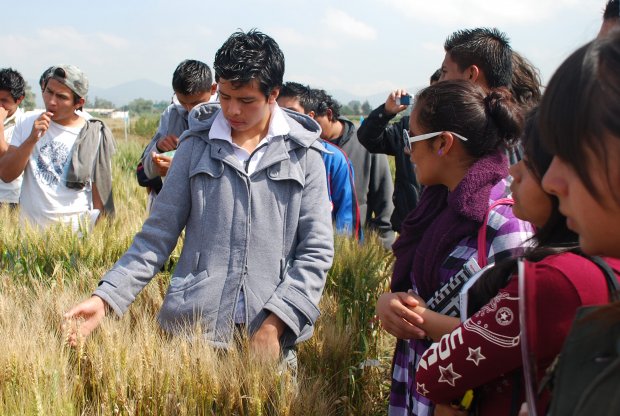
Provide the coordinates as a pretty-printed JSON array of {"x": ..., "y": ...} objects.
[{"x": 397, "y": 101}]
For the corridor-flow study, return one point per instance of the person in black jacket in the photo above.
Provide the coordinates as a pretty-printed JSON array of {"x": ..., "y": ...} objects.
[
  {"x": 377, "y": 137},
  {"x": 373, "y": 180}
]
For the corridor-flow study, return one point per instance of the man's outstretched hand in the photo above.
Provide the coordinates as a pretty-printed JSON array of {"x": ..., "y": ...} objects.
[{"x": 83, "y": 318}]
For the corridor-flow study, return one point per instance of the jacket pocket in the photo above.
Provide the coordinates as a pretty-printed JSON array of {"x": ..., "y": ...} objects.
[
  {"x": 187, "y": 301},
  {"x": 178, "y": 283}
]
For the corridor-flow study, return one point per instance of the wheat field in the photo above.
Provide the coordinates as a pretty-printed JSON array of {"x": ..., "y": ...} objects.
[{"x": 129, "y": 367}]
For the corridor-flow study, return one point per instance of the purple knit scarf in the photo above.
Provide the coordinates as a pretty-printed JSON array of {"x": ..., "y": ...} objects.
[{"x": 442, "y": 218}]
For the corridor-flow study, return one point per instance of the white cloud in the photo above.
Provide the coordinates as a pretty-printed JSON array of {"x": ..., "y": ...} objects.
[
  {"x": 112, "y": 40},
  {"x": 371, "y": 87},
  {"x": 286, "y": 36},
  {"x": 61, "y": 40},
  {"x": 485, "y": 12},
  {"x": 340, "y": 22}
]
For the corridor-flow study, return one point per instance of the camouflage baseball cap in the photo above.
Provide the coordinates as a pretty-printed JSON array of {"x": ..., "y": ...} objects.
[{"x": 72, "y": 77}]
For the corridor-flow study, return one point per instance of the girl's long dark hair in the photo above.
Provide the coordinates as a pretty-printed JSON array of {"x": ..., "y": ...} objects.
[{"x": 552, "y": 238}]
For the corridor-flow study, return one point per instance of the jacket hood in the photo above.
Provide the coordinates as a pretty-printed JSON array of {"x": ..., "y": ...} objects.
[
  {"x": 201, "y": 117},
  {"x": 349, "y": 130},
  {"x": 305, "y": 131}
]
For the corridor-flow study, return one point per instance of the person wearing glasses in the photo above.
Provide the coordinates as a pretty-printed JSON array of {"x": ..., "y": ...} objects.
[
  {"x": 66, "y": 160},
  {"x": 248, "y": 187},
  {"x": 482, "y": 56},
  {"x": 458, "y": 135}
]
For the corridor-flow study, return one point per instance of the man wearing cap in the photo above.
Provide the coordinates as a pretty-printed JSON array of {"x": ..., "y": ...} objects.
[{"x": 65, "y": 159}]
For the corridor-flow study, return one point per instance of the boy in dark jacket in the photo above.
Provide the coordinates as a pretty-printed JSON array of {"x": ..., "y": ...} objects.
[{"x": 373, "y": 180}]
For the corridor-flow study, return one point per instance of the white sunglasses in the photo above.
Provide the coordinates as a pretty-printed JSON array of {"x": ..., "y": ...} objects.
[{"x": 408, "y": 139}]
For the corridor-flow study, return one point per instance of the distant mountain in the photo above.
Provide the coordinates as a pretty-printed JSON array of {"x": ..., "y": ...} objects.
[{"x": 122, "y": 94}]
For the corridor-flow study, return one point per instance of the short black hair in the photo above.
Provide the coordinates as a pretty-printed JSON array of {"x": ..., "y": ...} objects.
[
  {"x": 436, "y": 75},
  {"x": 13, "y": 82},
  {"x": 487, "y": 48},
  {"x": 192, "y": 77},
  {"x": 302, "y": 92},
  {"x": 248, "y": 56},
  {"x": 45, "y": 76},
  {"x": 612, "y": 10},
  {"x": 526, "y": 86},
  {"x": 490, "y": 120},
  {"x": 324, "y": 101}
]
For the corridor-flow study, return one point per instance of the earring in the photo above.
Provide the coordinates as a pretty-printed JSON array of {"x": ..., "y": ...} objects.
[{"x": 440, "y": 152}]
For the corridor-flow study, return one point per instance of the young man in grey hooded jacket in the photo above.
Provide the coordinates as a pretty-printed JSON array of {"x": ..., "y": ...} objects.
[
  {"x": 192, "y": 83},
  {"x": 248, "y": 187}
]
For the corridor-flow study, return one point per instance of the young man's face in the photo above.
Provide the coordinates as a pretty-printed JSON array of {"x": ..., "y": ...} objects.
[
  {"x": 8, "y": 103},
  {"x": 245, "y": 106},
  {"x": 58, "y": 99},
  {"x": 291, "y": 103},
  {"x": 450, "y": 70},
  {"x": 326, "y": 126},
  {"x": 190, "y": 101}
]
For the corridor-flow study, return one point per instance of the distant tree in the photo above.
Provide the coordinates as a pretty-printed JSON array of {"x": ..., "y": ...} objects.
[
  {"x": 355, "y": 106},
  {"x": 29, "y": 102},
  {"x": 160, "y": 106},
  {"x": 103, "y": 103},
  {"x": 146, "y": 126},
  {"x": 140, "y": 106},
  {"x": 366, "y": 108},
  {"x": 345, "y": 110}
]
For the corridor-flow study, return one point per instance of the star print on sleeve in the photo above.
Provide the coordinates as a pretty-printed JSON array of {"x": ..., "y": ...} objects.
[
  {"x": 475, "y": 355},
  {"x": 504, "y": 316},
  {"x": 448, "y": 375}
]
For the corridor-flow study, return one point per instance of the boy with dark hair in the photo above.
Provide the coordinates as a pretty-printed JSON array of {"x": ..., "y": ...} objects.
[
  {"x": 248, "y": 187},
  {"x": 340, "y": 177},
  {"x": 373, "y": 180},
  {"x": 12, "y": 93},
  {"x": 611, "y": 17},
  {"x": 481, "y": 55},
  {"x": 435, "y": 76},
  {"x": 192, "y": 83}
]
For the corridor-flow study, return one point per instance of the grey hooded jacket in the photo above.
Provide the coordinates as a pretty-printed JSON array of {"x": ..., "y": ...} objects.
[
  {"x": 269, "y": 234},
  {"x": 174, "y": 120}
]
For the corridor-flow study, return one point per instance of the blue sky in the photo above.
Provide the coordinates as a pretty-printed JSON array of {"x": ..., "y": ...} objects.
[{"x": 362, "y": 47}]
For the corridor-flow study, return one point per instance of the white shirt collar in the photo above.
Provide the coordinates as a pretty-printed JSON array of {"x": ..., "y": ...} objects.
[{"x": 278, "y": 126}]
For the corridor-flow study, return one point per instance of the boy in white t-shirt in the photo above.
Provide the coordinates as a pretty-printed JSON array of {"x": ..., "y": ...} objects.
[
  {"x": 12, "y": 93},
  {"x": 41, "y": 148}
]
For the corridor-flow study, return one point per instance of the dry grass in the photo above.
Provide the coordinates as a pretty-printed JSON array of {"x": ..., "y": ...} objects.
[{"x": 129, "y": 367}]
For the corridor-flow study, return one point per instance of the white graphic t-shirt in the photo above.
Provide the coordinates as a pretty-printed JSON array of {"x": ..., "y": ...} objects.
[
  {"x": 9, "y": 192},
  {"x": 44, "y": 198}
]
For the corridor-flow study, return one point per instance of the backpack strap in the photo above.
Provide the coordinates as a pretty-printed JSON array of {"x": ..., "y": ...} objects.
[
  {"x": 482, "y": 232},
  {"x": 610, "y": 277}
]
